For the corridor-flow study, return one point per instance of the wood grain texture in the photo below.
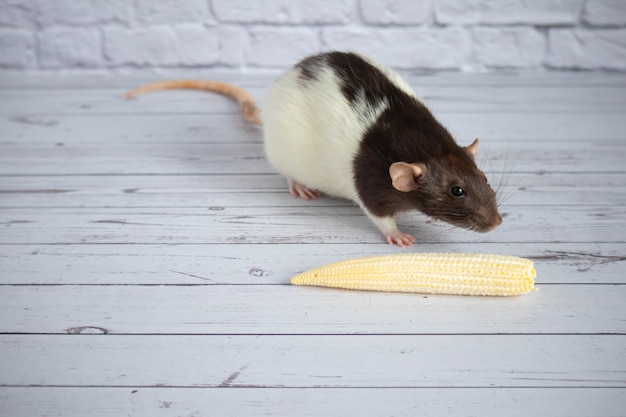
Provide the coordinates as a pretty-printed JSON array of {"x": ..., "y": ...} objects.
[
  {"x": 220, "y": 308},
  {"x": 241, "y": 190},
  {"x": 390, "y": 361},
  {"x": 233, "y": 158},
  {"x": 322, "y": 402},
  {"x": 251, "y": 264},
  {"x": 231, "y": 128},
  {"x": 146, "y": 248},
  {"x": 302, "y": 225}
]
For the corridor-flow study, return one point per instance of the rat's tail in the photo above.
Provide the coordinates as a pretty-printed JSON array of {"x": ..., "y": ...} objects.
[{"x": 249, "y": 110}]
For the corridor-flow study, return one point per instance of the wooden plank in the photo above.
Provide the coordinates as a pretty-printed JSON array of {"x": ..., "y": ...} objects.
[
  {"x": 237, "y": 158},
  {"x": 314, "y": 361},
  {"x": 462, "y": 99},
  {"x": 286, "y": 309},
  {"x": 522, "y": 99},
  {"x": 127, "y": 129},
  {"x": 513, "y": 127},
  {"x": 209, "y": 128},
  {"x": 175, "y": 159},
  {"x": 321, "y": 402},
  {"x": 238, "y": 225},
  {"x": 559, "y": 263},
  {"x": 151, "y": 191},
  {"x": 527, "y": 79}
]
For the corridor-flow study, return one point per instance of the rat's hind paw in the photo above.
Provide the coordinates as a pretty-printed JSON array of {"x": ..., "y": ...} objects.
[
  {"x": 298, "y": 190},
  {"x": 400, "y": 239}
]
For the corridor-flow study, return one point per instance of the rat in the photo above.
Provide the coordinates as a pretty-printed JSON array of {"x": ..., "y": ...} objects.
[{"x": 341, "y": 124}]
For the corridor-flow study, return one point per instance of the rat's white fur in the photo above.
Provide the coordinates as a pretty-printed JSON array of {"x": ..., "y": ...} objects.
[{"x": 312, "y": 132}]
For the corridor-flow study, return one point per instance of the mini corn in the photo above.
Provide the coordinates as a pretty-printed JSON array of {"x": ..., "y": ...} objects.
[{"x": 429, "y": 273}]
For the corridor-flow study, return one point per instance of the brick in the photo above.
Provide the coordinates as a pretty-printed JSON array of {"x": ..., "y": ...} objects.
[
  {"x": 281, "y": 47},
  {"x": 17, "y": 48},
  {"x": 587, "y": 49},
  {"x": 17, "y": 13},
  {"x": 155, "y": 45},
  {"x": 508, "y": 47},
  {"x": 400, "y": 12},
  {"x": 69, "y": 47},
  {"x": 152, "y": 12},
  {"x": 196, "y": 45},
  {"x": 232, "y": 42},
  {"x": 82, "y": 12},
  {"x": 534, "y": 12},
  {"x": 202, "y": 46},
  {"x": 605, "y": 12},
  {"x": 284, "y": 11},
  {"x": 439, "y": 48}
]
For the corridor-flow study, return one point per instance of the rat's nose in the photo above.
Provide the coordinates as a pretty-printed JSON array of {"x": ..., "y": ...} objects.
[{"x": 495, "y": 223}]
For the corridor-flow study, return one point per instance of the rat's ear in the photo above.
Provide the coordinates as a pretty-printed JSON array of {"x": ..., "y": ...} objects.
[
  {"x": 404, "y": 176},
  {"x": 473, "y": 148}
]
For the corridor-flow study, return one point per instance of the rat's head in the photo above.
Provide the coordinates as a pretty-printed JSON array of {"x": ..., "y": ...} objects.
[{"x": 451, "y": 188}]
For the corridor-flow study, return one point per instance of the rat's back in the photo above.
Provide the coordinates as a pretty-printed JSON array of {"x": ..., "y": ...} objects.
[{"x": 314, "y": 122}]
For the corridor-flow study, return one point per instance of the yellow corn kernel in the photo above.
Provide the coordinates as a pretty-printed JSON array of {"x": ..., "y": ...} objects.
[{"x": 428, "y": 273}]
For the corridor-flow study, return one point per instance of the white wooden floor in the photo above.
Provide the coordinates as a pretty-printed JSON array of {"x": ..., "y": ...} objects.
[{"x": 147, "y": 247}]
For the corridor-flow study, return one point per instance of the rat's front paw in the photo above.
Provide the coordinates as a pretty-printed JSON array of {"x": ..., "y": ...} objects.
[
  {"x": 400, "y": 239},
  {"x": 298, "y": 190}
]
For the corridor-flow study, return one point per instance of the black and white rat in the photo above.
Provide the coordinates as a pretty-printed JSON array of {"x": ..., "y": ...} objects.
[{"x": 341, "y": 124}]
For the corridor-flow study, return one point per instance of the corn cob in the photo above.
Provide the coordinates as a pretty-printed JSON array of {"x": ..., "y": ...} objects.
[{"x": 429, "y": 273}]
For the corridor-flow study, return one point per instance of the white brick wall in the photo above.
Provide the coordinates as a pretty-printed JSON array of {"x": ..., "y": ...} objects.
[{"x": 471, "y": 35}]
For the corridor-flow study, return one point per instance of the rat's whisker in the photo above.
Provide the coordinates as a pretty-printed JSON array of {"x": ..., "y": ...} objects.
[{"x": 509, "y": 164}]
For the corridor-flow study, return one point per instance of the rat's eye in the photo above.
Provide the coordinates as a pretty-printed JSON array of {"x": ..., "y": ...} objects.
[{"x": 457, "y": 191}]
